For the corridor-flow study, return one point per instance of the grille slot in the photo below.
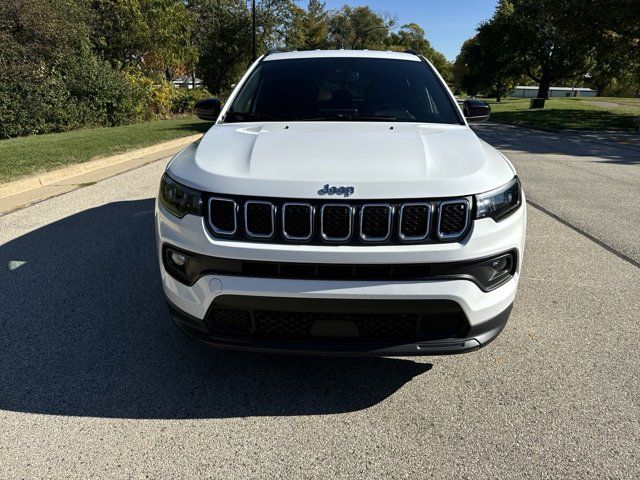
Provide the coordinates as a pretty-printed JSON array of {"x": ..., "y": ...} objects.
[
  {"x": 336, "y": 222},
  {"x": 415, "y": 220},
  {"x": 223, "y": 216},
  {"x": 375, "y": 222},
  {"x": 259, "y": 219},
  {"x": 297, "y": 221},
  {"x": 453, "y": 218}
]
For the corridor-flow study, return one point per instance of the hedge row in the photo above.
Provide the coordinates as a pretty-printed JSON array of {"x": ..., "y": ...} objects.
[{"x": 40, "y": 98}]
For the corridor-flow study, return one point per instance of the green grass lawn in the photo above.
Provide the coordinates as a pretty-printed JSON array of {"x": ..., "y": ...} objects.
[
  {"x": 38, "y": 153},
  {"x": 587, "y": 113}
]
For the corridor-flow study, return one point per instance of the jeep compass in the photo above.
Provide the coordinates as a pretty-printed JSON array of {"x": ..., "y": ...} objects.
[{"x": 340, "y": 204}]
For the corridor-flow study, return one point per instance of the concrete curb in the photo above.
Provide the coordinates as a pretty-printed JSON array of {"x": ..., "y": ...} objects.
[{"x": 48, "y": 178}]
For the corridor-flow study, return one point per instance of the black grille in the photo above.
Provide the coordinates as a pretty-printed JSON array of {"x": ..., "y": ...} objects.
[
  {"x": 336, "y": 222},
  {"x": 225, "y": 320},
  {"x": 286, "y": 325},
  {"x": 414, "y": 223},
  {"x": 282, "y": 324},
  {"x": 222, "y": 215},
  {"x": 375, "y": 222},
  {"x": 441, "y": 325},
  {"x": 297, "y": 220},
  {"x": 349, "y": 222},
  {"x": 259, "y": 219},
  {"x": 453, "y": 218}
]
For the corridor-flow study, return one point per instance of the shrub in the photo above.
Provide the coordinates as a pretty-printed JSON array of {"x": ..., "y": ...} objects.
[
  {"x": 73, "y": 92},
  {"x": 184, "y": 100}
]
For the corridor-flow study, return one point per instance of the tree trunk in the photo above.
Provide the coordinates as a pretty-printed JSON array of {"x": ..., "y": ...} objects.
[{"x": 545, "y": 84}]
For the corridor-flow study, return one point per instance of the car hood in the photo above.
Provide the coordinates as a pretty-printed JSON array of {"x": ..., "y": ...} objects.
[{"x": 379, "y": 160}]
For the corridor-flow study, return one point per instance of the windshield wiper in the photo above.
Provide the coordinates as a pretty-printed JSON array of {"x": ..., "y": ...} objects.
[
  {"x": 232, "y": 117},
  {"x": 347, "y": 117}
]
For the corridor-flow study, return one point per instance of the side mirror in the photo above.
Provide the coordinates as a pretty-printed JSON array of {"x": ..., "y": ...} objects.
[
  {"x": 476, "y": 110},
  {"x": 208, "y": 109}
]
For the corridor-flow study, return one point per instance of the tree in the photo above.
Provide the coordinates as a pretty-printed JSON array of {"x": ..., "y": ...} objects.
[
  {"x": 309, "y": 28},
  {"x": 222, "y": 35},
  {"x": 276, "y": 22},
  {"x": 359, "y": 28},
  {"x": 150, "y": 34},
  {"x": 545, "y": 47},
  {"x": 223, "y": 38},
  {"x": 614, "y": 35},
  {"x": 488, "y": 59},
  {"x": 412, "y": 37},
  {"x": 52, "y": 79},
  {"x": 465, "y": 71}
]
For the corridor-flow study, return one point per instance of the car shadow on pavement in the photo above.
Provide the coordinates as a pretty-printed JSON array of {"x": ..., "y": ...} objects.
[
  {"x": 616, "y": 150},
  {"x": 85, "y": 331}
]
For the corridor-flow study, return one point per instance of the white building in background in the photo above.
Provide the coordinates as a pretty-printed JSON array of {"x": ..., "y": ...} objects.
[
  {"x": 522, "y": 91},
  {"x": 186, "y": 82}
]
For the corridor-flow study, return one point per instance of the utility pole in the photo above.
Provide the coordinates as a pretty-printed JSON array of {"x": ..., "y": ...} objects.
[{"x": 253, "y": 15}]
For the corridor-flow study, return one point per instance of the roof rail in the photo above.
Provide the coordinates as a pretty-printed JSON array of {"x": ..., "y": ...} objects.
[
  {"x": 262, "y": 57},
  {"x": 411, "y": 51}
]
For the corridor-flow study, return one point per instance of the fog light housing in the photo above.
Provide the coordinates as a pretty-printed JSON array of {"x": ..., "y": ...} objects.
[
  {"x": 178, "y": 259},
  {"x": 488, "y": 273},
  {"x": 500, "y": 266},
  {"x": 495, "y": 271},
  {"x": 180, "y": 265}
]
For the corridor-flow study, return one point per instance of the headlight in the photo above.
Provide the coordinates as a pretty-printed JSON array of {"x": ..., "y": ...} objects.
[
  {"x": 179, "y": 199},
  {"x": 501, "y": 202}
]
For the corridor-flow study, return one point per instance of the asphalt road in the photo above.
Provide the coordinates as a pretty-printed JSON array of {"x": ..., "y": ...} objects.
[
  {"x": 95, "y": 382},
  {"x": 594, "y": 185}
]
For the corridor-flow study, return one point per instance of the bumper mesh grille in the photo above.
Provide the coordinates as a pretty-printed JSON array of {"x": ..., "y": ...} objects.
[
  {"x": 226, "y": 320},
  {"x": 285, "y": 325}
]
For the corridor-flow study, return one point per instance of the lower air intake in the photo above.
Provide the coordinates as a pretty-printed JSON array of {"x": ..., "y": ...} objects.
[{"x": 284, "y": 325}]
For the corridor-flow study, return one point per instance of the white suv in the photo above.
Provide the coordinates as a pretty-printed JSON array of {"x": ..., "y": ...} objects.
[{"x": 341, "y": 204}]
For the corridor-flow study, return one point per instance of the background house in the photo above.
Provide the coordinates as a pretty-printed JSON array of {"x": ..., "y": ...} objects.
[
  {"x": 522, "y": 91},
  {"x": 186, "y": 82}
]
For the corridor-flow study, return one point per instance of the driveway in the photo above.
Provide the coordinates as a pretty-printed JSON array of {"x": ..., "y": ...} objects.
[{"x": 96, "y": 382}]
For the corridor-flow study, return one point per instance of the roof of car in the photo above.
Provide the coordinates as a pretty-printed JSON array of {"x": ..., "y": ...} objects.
[{"x": 342, "y": 53}]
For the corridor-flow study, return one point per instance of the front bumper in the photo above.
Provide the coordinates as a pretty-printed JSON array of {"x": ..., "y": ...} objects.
[
  {"x": 485, "y": 312},
  {"x": 475, "y": 337}
]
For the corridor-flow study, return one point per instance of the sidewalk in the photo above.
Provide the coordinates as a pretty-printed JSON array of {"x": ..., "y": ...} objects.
[{"x": 35, "y": 188}]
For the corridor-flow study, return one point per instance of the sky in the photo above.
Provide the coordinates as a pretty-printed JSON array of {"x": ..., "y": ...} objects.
[{"x": 447, "y": 23}]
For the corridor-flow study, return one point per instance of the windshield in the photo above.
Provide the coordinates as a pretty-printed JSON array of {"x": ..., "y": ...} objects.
[{"x": 344, "y": 89}]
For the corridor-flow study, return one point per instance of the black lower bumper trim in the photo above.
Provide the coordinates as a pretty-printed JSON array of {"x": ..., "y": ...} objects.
[{"x": 475, "y": 337}]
